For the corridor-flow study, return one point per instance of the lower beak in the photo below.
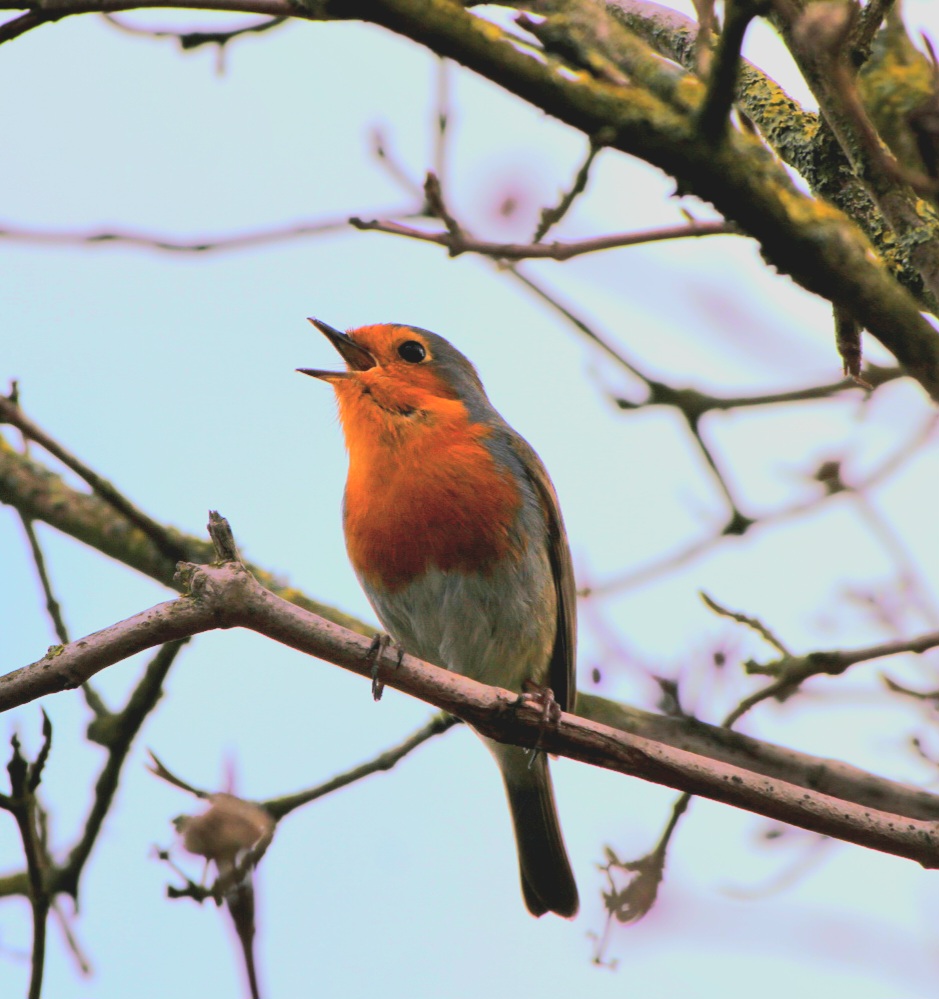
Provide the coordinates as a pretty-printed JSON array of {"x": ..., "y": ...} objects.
[{"x": 357, "y": 357}]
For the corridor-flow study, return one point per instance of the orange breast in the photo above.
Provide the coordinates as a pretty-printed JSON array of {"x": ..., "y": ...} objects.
[{"x": 424, "y": 492}]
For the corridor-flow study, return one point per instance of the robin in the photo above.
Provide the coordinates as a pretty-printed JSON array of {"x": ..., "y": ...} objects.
[{"x": 454, "y": 531}]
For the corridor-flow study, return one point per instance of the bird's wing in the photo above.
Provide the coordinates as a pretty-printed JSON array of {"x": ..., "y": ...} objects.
[{"x": 561, "y": 672}]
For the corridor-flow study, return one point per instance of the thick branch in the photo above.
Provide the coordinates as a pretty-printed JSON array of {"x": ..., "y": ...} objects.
[
  {"x": 817, "y": 40},
  {"x": 800, "y": 138},
  {"x": 832, "y": 777},
  {"x": 225, "y": 596}
]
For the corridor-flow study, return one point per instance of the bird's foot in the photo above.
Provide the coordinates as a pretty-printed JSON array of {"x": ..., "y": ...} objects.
[
  {"x": 541, "y": 698},
  {"x": 380, "y": 645}
]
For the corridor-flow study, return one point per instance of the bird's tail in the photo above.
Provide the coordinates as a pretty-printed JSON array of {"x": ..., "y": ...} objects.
[{"x": 547, "y": 879}]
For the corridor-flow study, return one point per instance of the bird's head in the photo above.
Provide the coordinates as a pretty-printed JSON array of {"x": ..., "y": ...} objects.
[{"x": 404, "y": 371}]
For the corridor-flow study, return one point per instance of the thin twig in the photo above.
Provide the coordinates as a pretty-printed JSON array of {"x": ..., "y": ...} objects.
[
  {"x": 795, "y": 670},
  {"x": 737, "y": 523},
  {"x": 549, "y": 298},
  {"x": 116, "y": 734},
  {"x": 750, "y": 622},
  {"x": 442, "y": 117},
  {"x": 188, "y": 40},
  {"x": 159, "y": 769},
  {"x": 53, "y": 607},
  {"x": 275, "y": 234},
  {"x": 55, "y": 11},
  {"x": 81, "y": 959},
  {"x": 436, "y": 208},
  {"x": 692, "y": 551},
  {"x": 699, "y": 403},
  {"x": 395, "y": 169},
  {"x": 440, "y": 723},
  {"x": 551, "y": 216},
  {"x": 558, "y": 250}
]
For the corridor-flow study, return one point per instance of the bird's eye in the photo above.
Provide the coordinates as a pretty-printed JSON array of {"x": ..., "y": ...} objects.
[{"x": 412, "y": 352}]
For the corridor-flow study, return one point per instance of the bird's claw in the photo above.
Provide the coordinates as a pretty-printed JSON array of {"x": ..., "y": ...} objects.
[
  {"x": 541, "y": 698},
  {"x": 380, "y": 645}
]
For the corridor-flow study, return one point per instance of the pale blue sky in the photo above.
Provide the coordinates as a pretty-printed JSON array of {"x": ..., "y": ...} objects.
[{"x": 174, "y": 376}]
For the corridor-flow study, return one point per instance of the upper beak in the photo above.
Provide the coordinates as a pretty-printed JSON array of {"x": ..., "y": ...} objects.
[{"x": 355, "y": 355}]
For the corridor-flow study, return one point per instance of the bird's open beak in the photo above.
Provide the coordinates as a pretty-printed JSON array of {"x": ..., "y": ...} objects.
[{"x": 355, "y": 355}]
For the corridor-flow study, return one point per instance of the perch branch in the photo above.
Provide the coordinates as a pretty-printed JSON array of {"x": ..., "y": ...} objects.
[{"x": 226, "y": 595}]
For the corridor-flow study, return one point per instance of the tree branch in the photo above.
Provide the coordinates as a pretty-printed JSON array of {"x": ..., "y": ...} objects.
[
  {"x": 552, "y": 215},
  {"x": 817, "y": 40},
  {"x": 814, "y": 243},
  {"x": 800, "y": 138},
  {"x": 188, "y": 40},
  {"x": 831, "y": 777},
  {"x": 23, "y": 805},
  {"x": 868, "y": 24},
  {"x": 204, "y": 244},
  {"x": 833, "y": 487},
  {"x": 695, "y": 403},
  {"x": 714, "y": 112},
  {"x": 116, "y": 732},
  {"x": 55, "y": 10},
  {"x": 226, "y": 595},
  {"x": 464, "y": 243},
  {"x": 440, "y": 723}
]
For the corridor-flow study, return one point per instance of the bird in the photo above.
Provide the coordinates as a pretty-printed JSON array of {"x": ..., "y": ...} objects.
[{"x": 453, "y": 528}]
